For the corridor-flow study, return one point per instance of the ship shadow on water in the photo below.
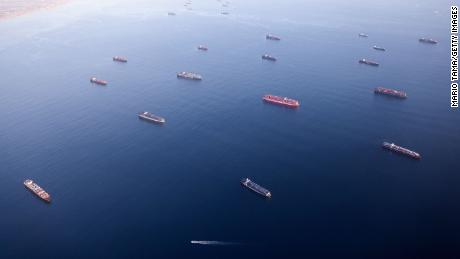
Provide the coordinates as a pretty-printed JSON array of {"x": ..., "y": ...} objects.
[{"x": 156, "y": 124}]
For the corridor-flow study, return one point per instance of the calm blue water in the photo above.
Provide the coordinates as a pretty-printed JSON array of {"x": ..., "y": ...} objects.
[{"x": 124, "y": 188}]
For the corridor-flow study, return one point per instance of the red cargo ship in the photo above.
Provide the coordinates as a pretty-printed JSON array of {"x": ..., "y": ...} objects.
[
  {"x": 98, "y": 81},
  {"x": 291, "y": 103},
  {"x": 391, "y": 92},
  {"x": 37, "y": 190}
]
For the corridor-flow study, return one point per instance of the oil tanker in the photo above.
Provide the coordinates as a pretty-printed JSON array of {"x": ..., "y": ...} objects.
[
  {"x": 284, "y": 101},
  {"x": 189, "y": 75},
  {"x": 98, "y": 81},
  {"x": 37, "y": 190},
  {"x": 378, "y": 48},
  {"x": 120, "y": 59},
  {"x": 151, "y": 117},
  {"x": 255, "y": 187},
  {"x": 390, "y": 92},
  {"x": 368, "y": 62},
  {"x": 203, "y": 47},
  {"x": 401, "y": 150},
  {"x": 429, "y": 41},
  {"x": 272, "y": 37},
  {"x": 268, "y": 57}
]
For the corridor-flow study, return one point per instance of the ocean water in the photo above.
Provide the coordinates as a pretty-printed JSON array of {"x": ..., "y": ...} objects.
[{"x": 125, "y": 188}]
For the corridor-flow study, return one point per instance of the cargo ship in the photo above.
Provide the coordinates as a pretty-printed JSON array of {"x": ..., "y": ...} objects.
[
  {"x": 391, "y": 92},
  {"x": 291, "y": 103},
  {"x": 368, "y": 62},
  {"x": 37, "y": 190},
  {"x": 363, "y": 35},
  {"x": 268, "y": 57},
  {"x": 203, "y": 47},
  {"x": 171, "y": 13},
  {"x": 120, "y": 59},
  {"x": 272, "y": 37},
  {"x": 98, "y": 81},
  {"x": 430, "y": 41},
  {"x": 255, "y": 187},
  {"x": 378, "y": 48},
  {"x": 189, "y": 75},
  {"x": 401, "y": 150},
  {"x": 151, "y": 117}
]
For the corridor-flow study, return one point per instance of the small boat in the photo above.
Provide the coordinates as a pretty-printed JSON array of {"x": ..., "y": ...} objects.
[
  {"x": 98, "y": 81},
  {"x": 151, "y": 117},
  {"x": 378, "y": 48}
]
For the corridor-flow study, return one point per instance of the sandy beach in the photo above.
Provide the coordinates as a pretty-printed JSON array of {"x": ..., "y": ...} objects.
[{"x": 14, "y": 8}]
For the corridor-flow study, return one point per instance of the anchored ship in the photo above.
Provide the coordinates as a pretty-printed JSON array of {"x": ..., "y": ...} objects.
[
  {"x": 391, "y": 92},
  {"x": 189, "y": 75},
  {"x": 120, "y": 59},
  {"x": 203, "y": 47},
  {"x": 368, "y": 62},
  {"x": 363, "y": 35},
  {"x": 291, "y": 103},
  {"x": 268, "y": 57},
  {"x": 272, "y": 37},
  {"x": 430, "y": 41},
  {"x": 255, "y": 187},
  {"x": 37, "y": 190},
  {"x": 151, "y": 117},
  {"x": 98, "y": 81},
  {"x": 401, "y": 150},
  {"x": 171, "y": 13},
  {"x": 378, "y": 48}
]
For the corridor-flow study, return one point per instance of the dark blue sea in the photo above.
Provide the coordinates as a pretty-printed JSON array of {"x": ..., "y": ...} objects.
[{"x": 126, "y": 188}]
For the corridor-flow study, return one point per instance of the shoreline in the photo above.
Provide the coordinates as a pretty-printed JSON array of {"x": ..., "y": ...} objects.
[{"x": 14, "y": 10}]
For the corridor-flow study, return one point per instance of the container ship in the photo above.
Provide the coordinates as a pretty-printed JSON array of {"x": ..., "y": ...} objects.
[
  {"x": 151, "y": 117},
  {"x": 378, "y": 48},
  {"x": 291, "y": 103},
  {"x": 203, "y": 47},
  {"x": 268, "y": 57},
  {"x": 189, "y": 75},
  {"x": 272, "y": 37},
  {"x": 120, "y": 59},
  {"x": 255, "y": 187},
  {"x": 401, "y": 150},
  {"x": 368, "y": 62},
  {"x": 98, "y": 81},
  {"x": 363, "y": 35},
  {"x": 37, "y": 190},
  {"x": 430, "y": 41},
  {"x": 390, "y": 92}
]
